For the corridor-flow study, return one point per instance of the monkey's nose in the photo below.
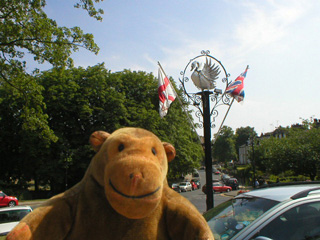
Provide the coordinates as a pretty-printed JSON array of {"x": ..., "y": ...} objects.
[{"x": 135, "y": 179}]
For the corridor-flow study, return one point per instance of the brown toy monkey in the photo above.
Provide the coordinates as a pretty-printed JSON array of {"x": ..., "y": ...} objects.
[{"x": 123, "y": 195}]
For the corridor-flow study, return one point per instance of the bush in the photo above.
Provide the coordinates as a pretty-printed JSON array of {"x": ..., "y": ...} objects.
[
  {"x": 286, "y": 178},
  {"x": 25, "y": 195}
]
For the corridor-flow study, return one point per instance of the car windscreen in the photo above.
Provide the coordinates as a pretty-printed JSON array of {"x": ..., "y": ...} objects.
[
  {"x": 233, "y": 216},
  {"x": 13, "y": 215}
]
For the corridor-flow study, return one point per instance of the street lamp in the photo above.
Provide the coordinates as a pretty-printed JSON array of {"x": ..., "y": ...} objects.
[{"x": 205, "y": 72}]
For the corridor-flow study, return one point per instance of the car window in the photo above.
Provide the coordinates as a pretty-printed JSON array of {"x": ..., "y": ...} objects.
[
  {"x": 301, "y": 222},
  {"x": 13, "y": 215},
  {"x": 237, "y": 216},
  {"x": 2, "y": 195},
  {"x": 195, "y": 175}
]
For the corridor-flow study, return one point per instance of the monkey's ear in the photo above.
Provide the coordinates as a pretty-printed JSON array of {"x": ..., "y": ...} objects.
[
  {"x": 170, "y": 151},
  {"x": 97, "y": 139}
]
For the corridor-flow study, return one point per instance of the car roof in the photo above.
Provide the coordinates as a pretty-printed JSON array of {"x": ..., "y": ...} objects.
[
  {"x": 15, "y": 208},
  {"x": 281, "y": 193}
]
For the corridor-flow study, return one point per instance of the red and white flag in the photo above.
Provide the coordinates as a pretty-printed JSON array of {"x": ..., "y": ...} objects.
[{"x": 166, "y": 93}]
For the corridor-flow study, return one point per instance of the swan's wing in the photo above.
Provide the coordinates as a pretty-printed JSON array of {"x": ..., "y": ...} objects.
[{"x": 210, "y": 71}]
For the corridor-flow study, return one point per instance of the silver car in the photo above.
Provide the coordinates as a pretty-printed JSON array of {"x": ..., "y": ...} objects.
[
  {"x": 281, "y": 212},
  {"x": 185, "y": 186},
  {"x": 11, "y": 216}
]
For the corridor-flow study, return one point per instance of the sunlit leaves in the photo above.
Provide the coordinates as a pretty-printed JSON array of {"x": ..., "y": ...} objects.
[{"x": 299, "y": 151}]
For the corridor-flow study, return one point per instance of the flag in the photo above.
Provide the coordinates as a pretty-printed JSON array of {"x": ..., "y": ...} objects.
[
  {"x": 166, "y": 93},
  {"x": 235, "y": 89}
]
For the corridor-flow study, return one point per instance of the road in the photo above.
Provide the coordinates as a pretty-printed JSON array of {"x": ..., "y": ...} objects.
[{"x": 198, "y": 198}]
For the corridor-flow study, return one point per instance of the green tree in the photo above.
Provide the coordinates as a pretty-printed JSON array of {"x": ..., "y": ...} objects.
[
  {"x": 80, "y": 101},
  {"x": 25, "y": 134},
  {"x": 224, "y": 147},
  {"x": 76, "y": 102},
  {"x": 242, "y": 136},
  {"x": 298, "y": 152},
  {"x": 176, "y": 129},
  {"x": 25, "y": 29}
]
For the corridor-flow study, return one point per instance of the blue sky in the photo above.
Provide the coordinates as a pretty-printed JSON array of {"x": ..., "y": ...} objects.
[{"x": 279, "y": 40}]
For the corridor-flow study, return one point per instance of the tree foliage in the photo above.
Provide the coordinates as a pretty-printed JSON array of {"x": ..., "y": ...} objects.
[
  {"x": 224, "y": 147},
  {"x": 298, "y": 152},
  {"x": 46, "y": 118},
  {"x": 243, "y": 134},
  {"x": 79, "y": 101},
  {"x": 25, "y": 30}
]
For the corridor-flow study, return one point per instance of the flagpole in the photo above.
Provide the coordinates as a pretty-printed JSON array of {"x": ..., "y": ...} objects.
[
  {"x": 227, "y": 112},
  {"x": 225, "y": 116},
  {"x": 191, "y": 123}
]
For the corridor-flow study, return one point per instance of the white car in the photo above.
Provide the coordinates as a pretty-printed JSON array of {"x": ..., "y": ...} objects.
[
  {"x": 279, "y": 211},
  {"x": 11, "y": 216},
  {"x": 185, "y": 186}
]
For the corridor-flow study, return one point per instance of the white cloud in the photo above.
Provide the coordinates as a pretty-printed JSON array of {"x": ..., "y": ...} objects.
[{"x": 266, "y": 24}]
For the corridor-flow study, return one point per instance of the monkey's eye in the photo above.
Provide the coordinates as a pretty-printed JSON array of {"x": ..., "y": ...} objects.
[
  {"x": 154, "y": 151},
  {"x": 120, "y": 147}
]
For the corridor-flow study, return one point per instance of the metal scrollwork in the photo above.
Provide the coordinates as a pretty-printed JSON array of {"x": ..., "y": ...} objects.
[
  {"x": 214, "y": 114},
  {"x": 199, "y": 116},
  {"x": 226, "y": 99},
  {"x": 217, "y": 98},
  {"x": 203, "y": 52}
]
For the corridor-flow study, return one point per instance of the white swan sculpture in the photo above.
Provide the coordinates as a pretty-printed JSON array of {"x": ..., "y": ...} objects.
[{"x": 206, "y": 77}]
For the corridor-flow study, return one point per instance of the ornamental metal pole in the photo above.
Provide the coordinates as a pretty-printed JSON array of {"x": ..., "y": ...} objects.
[
  {"x": 207, "y": 141},
  {"x": 206, "y": 78}
]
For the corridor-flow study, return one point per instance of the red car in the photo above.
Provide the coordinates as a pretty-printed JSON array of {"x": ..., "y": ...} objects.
[
  {"x": 194, "y": 185},
  {"x": 7, "y": 201},
  {"x": 217, "y": 187}
]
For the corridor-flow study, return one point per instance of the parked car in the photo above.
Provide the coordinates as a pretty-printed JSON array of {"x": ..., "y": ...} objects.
[
  {"x": 243, "y": 191},
  {"x": 225, "y": 177},
  {"x": 290, "y": 211},
  {"x": 7, "y": 201},
  {"x": 196, "y": 181},
  {"x": 217, "y": 187},
  {"x": 220, "y": 187},
  {"x": 215, "y": 171},
  {"x": 175, "y": 186},
  {"x": 233, "y": 183},
  {"x": 195, "y": 173},
  {"x": 194, "y": 185},
  {"x": 185, "y": 186},
  {"x": 11, "y": 216}
]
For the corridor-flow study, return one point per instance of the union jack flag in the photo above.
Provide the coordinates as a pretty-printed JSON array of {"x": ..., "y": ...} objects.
[{"x": 235, "y": 89}]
